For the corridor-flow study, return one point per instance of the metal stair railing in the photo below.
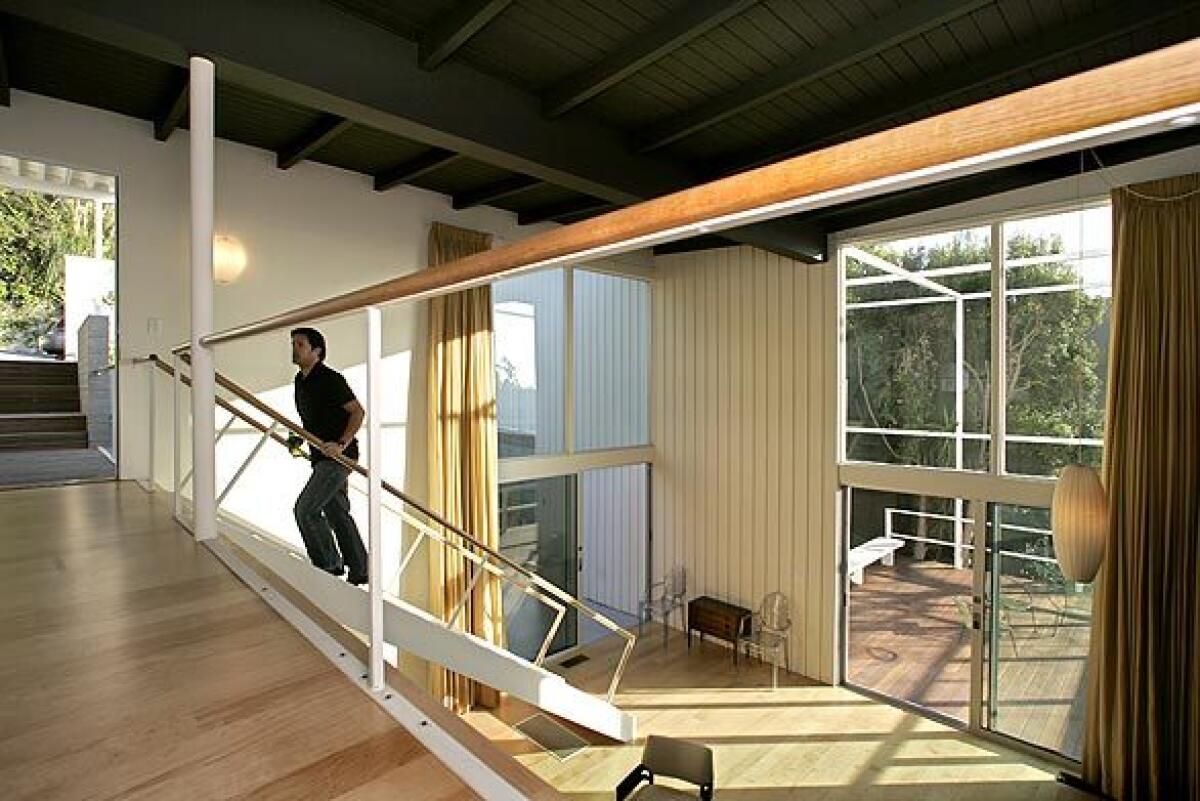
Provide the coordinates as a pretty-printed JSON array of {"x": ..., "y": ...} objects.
[{"x": 481, "y": 558}]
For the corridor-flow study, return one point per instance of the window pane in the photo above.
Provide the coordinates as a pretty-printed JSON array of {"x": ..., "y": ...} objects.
[
  {"x": 910, "y": 589},
  {"x": 1038, "y": 635},
  {"x": 530, "y": 398},
  {"x": 537, "y": 531},
  {"x": 918, "y": 350},
  {"x": 612, "y": 361},
  {"x": 615, "y": 514},
  {"x": 1059, "y": 300}
]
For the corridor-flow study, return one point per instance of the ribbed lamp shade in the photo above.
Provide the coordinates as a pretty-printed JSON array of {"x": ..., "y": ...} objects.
[{"x": 1079, "y": 520}]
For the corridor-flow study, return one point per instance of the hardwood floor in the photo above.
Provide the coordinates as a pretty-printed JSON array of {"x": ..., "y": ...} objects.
[
  {"x": 803, "y": 741},
  {"x": 134, "y": 665},
  {"x": 907, "y": 641}
]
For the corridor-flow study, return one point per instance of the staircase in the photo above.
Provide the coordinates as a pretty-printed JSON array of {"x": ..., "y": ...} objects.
[
  {"x": 411, "y": 628},
  {"x": 39, "y": 406}
]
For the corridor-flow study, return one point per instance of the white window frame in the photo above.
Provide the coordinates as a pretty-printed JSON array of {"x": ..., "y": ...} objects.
[
  {"x": 572, "y": 461},
  {"x": 1005, "y": 488}
]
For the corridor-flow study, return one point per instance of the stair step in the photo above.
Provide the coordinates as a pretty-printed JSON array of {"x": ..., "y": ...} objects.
[
  {"x": 38, "y": 372},
  {"x": 49, "y": 423},
  {"x": 34, "y": 398},
  {"x": 43, "y": 440}
]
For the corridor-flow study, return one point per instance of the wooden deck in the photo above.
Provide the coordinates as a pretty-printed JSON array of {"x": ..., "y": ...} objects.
[
  {"x": 136, "y": 666},
  {"x": 907, "y": 641},
  {"x": 803, "y": 741}
]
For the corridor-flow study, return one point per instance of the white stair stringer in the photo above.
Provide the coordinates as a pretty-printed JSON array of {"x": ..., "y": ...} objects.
[{"x": 418, "y": 632}]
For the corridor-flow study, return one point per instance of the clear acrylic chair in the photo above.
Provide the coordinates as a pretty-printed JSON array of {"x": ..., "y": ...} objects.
[
  {"x": 666, "y": 595},
  {"x": 768, "y": 635}
]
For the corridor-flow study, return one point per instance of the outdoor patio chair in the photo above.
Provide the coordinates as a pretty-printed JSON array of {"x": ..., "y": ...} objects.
[
  {"x": 665, "y": 596},
  {"x": 665, "y": 756},
  {"x": 769, "y": 629},
  {"x": 966, "y": 618}
]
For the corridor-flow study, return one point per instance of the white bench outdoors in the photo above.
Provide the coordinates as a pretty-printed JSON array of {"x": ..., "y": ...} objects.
[{"x": 870, "y": 552}]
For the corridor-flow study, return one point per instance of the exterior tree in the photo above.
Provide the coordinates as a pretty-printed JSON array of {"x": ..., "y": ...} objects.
[
  {"x": 900, "y": 364},
  {"x": 37, "y": 232}
]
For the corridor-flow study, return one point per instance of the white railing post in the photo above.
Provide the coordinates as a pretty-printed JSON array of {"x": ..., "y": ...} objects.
[
  {"x": 151, "y": 371},
  {"x": 375, "y": 492},
  {"x": 176, "y": 425},
  {"x": 202, "y": 113}
]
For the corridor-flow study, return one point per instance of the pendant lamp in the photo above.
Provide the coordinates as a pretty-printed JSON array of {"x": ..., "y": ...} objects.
[{"x": 1079, "y": 521}]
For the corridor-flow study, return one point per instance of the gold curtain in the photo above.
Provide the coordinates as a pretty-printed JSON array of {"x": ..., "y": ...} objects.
[
  {"x": 463, "y": 470},
  {"x": 1142, "y": 738}
]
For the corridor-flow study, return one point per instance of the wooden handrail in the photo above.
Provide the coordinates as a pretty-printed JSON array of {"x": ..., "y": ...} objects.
[{"x": 920, "y": 152}]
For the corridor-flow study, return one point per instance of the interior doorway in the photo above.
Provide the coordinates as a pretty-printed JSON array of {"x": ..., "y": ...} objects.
[{"x": 58, "y": 324}]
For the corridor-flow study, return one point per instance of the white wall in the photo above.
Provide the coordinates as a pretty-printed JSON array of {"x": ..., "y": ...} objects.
[
  {"x": 743, "y": 420},
  {"x": 309, "y": 232}
]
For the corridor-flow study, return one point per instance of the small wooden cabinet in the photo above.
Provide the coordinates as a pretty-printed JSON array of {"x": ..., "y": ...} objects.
[{"x": 718, "y": 619}]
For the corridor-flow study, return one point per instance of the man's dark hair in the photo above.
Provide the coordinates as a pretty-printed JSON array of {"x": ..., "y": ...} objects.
[{"x": 314, "y": 337}]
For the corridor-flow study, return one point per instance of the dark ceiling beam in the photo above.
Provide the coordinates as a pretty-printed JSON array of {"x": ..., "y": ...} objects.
[
  {"x": 696, "y": 18},
  {"x": 333, "y": 62},
  {"x": 972, "y": 187},
  {"x": 171, "y": 115},
  {"x": 882, "y": 112},
  {"x": 493, "y": 192},
  {"x": 336, "y": 63},
  {"x": 694, "y": 244},
  {"x": 557, "y": 212},
  {"x": 414, "y": 168},
  {"x": 5, "y": 86},
  {"x": 455, "y": 29},
  {"x": 325, "y": 131},
  {"x": 861, "y": 43},
  {"x": 791, "y": 238}
]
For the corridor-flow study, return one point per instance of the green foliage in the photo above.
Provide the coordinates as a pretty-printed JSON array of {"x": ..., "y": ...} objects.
[
  {"x": 37, "y": 233},
  {"x": 900, "y": 359}
]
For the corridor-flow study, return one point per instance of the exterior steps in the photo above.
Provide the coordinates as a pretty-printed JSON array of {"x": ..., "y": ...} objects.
[{"x": 39, "y": 406}]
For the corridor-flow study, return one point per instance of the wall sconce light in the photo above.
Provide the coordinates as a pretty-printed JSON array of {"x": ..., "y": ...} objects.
[
  {"x": 229, "y": 259},
  {"x": 1079, "y": 520}
]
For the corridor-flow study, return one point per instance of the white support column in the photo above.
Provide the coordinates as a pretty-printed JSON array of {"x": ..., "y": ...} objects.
[
  {"x": 201, "y": 94},
  {"x": 375, "y": 492}
]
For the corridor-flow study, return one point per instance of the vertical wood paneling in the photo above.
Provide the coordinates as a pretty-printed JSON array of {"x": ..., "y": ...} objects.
[{"x": 744, "y": 482}]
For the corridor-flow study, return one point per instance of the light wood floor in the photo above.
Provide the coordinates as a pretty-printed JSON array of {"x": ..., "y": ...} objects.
[
  {"x": 134, "y": 665},
  {"x": 803, "y": 741}
]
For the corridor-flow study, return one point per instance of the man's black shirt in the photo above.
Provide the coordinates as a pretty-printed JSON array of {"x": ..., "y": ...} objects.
[{"x": 319, "y": 398}]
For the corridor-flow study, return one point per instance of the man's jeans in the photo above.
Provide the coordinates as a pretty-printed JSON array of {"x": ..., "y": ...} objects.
[{"x": 323, "y": 512}]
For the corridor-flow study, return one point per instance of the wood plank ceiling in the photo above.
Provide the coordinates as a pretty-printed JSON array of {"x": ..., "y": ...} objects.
[{"x": 618, "y": 100}]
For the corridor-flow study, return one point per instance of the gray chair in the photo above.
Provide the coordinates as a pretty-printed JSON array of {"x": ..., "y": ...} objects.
[
  {"x": 768, "y": 635},
  {"x": 665, "y": 756},
  {"x": 665, "y": 596}
]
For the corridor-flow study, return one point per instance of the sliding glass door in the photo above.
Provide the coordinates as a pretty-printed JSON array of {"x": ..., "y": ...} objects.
[
  {"x": 972, "y": 369},
  {"x": 1039, "y": 624}
]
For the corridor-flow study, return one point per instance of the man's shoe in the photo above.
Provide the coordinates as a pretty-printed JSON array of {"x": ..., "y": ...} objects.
[
  {"x": 337, "y": 570},
  {"x": 357, "y": 581}
]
